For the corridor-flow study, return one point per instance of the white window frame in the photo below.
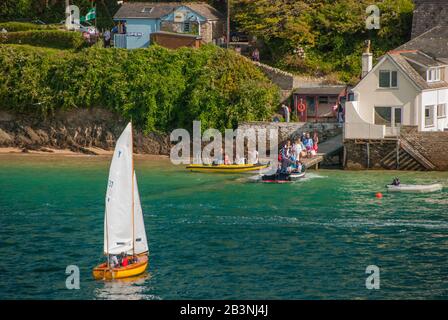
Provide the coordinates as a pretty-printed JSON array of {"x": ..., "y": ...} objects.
[
  {"x": 443, "y": 107},
  {"x": 433, "y": 74},
  {"x": 390, "y": 79},
  {"x": 392, "y": 115}
]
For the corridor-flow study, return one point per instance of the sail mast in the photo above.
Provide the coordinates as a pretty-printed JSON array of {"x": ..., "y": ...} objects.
[
  {"x": 107, "y": 238},
  {"x": 132, "y": 172}
]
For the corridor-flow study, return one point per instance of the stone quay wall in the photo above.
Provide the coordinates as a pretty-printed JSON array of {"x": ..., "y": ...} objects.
[
  {"x": 291, "y": 130},
  {"x": 431, "y": 145}
]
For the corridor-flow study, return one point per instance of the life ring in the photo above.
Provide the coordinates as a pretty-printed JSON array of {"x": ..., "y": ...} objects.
[{"x": 301, "y": 107}]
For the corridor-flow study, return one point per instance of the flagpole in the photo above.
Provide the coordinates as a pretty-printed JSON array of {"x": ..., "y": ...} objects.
[{"x": 96, "y": 30}]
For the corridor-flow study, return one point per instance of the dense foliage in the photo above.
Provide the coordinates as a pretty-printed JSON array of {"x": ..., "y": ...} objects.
[
  {"x": 332, "y": 32},
  {"x": 53, "y": 11},
  {"x": 46, "y": 38},
  {"x": 159, "y": 89}
]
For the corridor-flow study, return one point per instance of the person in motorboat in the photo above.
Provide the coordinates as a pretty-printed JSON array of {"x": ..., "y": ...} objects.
[
  {"x": 309, "y": 144},
  {"x": 298, "y": 149},
  {"x": 286, "y": 150},
  {"x": 297, "y": 167},
  {"x": 396, "y": 182}
]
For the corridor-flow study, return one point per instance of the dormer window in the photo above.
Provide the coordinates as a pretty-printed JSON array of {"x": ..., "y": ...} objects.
[{"x": 433, "y": 75}]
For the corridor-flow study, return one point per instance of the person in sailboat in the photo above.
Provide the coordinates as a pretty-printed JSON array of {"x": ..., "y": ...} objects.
[
  {"x": 124, "y": 259},
  {"x": 114, "y": 261},
  {"x": 123, "y": 217}
]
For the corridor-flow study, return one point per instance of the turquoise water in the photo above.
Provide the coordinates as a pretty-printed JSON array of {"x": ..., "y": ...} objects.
[{"x": 220, "y": 236}]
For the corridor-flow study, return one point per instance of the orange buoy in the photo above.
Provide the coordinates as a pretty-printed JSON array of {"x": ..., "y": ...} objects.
[{"x": 379, "y": 195}]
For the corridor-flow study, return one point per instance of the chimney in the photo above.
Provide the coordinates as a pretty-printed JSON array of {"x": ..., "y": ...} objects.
[{"x": 367, "y": 60}]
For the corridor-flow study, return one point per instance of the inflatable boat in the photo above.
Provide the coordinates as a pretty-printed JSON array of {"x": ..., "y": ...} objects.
[
  {"x": 415, "y": 187},
  {"x": 282, "y": 177}
]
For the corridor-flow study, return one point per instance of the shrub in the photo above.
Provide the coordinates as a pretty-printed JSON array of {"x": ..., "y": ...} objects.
[
  {"x": 26, "y": 26},
  {"x": 46, "y": 38},
  {"x": 159, "y": 89}
]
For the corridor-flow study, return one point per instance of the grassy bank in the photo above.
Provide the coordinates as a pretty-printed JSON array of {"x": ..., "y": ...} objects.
[{"x": 159, "y": 89}]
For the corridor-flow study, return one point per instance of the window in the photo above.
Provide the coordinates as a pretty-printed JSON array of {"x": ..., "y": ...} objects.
[
  {"x": 187, "y": 27},
  {"x": 323, "y": 100},
  {"x": 146, "y": 10},
  {"x": 441, "y": 110},
  {"x": 383, "y": 116},
  {"x": 397, "y": 113},
  {"x": 388, "y": 116},
  {"x": 429, "y": 119},
  {"x": 433, "y": 75},
  {"x": 388, "y": 79}
]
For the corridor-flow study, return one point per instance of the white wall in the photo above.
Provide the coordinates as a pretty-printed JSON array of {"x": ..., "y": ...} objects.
[
  {"x": 355, "y": 127},
  {"x": 433, "y": 98},
  {"x": 360, "y": 116},
  {"x": 371, "y": 96}
]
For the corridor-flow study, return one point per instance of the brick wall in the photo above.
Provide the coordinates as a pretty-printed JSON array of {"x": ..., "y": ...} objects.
[{"x": 174, "y": 41}]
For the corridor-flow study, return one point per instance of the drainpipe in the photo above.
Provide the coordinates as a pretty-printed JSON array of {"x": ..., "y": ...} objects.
[{"x": 199, "y": 25}]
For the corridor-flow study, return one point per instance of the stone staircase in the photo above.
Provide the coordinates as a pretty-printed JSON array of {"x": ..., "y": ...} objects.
[{"x": 406, "y": 157}]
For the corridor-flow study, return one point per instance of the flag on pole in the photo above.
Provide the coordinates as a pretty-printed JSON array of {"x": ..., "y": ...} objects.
[{"x": 91, "y": 15}]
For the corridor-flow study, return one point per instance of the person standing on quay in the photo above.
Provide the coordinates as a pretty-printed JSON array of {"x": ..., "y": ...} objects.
[{"x": 107, "y": 37}]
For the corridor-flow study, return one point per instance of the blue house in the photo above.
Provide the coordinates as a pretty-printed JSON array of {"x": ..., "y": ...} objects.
[{"x": 138, "y": 20}]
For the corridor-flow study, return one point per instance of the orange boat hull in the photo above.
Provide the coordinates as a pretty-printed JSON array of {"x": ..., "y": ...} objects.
[{"x": 102, "y": 272}]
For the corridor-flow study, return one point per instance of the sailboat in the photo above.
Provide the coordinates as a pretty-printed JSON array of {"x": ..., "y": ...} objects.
[{"x": 124, "y": 228}]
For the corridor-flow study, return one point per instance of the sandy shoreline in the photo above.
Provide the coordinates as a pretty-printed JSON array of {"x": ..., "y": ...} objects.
[{"x": 67, "y": 152}]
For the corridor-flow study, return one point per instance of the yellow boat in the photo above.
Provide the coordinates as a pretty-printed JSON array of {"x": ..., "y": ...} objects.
[
  {"x": 226, "y": 168},
  {"x": 124, "y": 227},
  {"x": 104, "y": 272}
]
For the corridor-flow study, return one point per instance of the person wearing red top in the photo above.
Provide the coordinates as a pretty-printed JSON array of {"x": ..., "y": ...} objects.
[{"x": 125, "y": 262}]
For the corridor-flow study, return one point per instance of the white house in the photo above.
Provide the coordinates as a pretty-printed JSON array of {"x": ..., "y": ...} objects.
[{"x": 408, "y": 86}]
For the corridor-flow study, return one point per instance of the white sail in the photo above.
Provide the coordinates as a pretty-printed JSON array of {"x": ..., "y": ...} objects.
[
  {"x": 141, "y": 244},
  {"x": 118, "y": 215}
]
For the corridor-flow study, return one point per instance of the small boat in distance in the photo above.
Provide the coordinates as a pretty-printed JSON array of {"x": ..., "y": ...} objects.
[
  {"x": 124, "y": 228},
  {"x": 415, "y": 188},
  {"x": 226, "y": 168}
]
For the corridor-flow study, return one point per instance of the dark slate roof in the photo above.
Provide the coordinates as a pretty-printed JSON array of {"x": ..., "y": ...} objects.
[
  {"x": 433, "y": 42},
  {"x": 412, "y": 74},
  {"x": 321, "y": 90},
  {"x": 160, "y": 9},
  {"x": 422, "y": 59},
  {"x": 427, "y": 14}
]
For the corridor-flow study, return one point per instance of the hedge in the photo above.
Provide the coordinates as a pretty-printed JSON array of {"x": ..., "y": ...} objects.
[
  {"x": 46, "y": 38},
  {"x": 159, "y": 89},
  {"x": 26, "y": 26}
]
